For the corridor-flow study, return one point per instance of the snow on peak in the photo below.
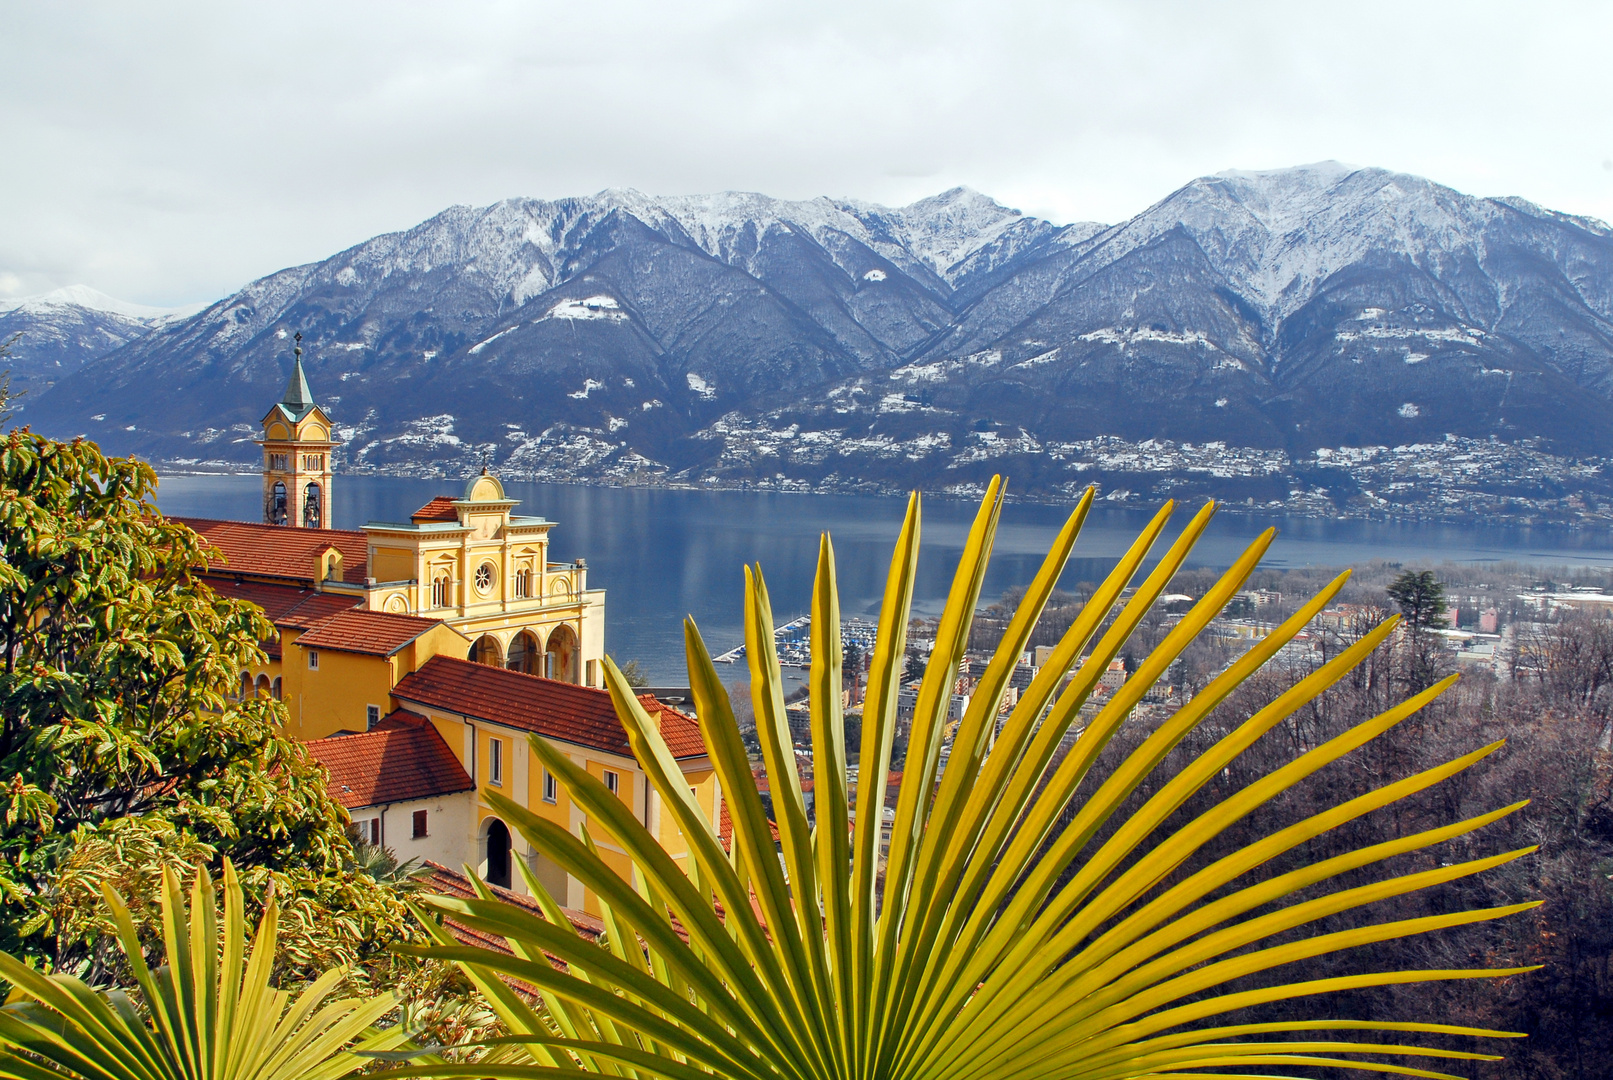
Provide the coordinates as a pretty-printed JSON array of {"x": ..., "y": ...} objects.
[
  {"x": 82, "y": 296},
  {"x": 1277, "y": 234}
]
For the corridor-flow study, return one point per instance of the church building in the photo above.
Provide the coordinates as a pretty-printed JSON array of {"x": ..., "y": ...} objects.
[{"x": 415, "y": 658}]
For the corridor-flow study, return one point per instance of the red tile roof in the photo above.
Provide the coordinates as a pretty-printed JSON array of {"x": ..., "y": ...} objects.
[
  {"x": 445, "y": 882},
  {"x": 359, "y": 630},
  {"x": 580, "y": 715},
  {"x": 279, "y": 551},
  {"x": 407, "y": 759},
  {"x": 439, "y": 509},
  {"x": 284, "y": 605},
  {"x": 725, "y": 827}
]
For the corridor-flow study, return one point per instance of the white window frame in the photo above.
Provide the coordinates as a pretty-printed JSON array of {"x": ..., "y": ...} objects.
[
  {"x": 551, "y": 788},
  {"x": 313, "y": 659},
  {"x": 495, "y": 762},
  {"x": 613, "y": 782},
  {"x": 372, "y": 716}
]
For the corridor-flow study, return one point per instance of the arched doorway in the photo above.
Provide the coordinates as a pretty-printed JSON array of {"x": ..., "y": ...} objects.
[
  {"x": 312, "y": 508},
  {"x": 560, "y": 654},
  {"x": 486, "y": 651},
  {"x": 261, "y": 687},
  {"x": 525, "y": 656},
  {"x": 498, "y": 853}
]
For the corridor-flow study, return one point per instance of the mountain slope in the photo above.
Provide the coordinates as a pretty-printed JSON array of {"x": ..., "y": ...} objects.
[
  {"x": 737, "y": 337},
  {"x": 59, "y": 332}
]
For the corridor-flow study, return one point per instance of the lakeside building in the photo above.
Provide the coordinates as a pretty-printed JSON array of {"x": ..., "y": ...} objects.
[{"x": 415, "y": 658}]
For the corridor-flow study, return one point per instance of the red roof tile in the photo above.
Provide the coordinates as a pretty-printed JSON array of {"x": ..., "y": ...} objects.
[
  {"x": 397, "y": 763},
  {"x": 284, "y": 605},
  {"x": 558, "y": 710},
  {"x": 281, "y": 552},
  {"x": 445, "y": 882},
  {"x": 725, "y": 827},
  {"x": 439, "y": 509},
  {"x": 373, "y": 633}
]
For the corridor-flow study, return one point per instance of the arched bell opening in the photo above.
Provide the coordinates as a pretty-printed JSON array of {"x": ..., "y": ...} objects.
[{"x": 312, "y": 507}]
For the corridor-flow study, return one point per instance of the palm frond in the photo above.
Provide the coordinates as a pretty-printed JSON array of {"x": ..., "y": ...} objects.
[
  {"x": 210, "y": 1012},
  {"x": 1020, "y": 925}
]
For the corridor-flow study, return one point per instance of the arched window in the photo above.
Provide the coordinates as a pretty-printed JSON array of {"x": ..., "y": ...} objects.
[
  {"x": 246, "y": 686},
  {"x": 261, "y": 687},
  {"x": 277, "y": 504},
  {"x": 441, "y": 591},
  {"x": 523, "y": 583},
  {"x": 312, "y": 510},
  {"x": 274, "y": 688}
]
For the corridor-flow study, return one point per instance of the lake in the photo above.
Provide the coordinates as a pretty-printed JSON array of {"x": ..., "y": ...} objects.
[{"x": 664, "y": 554}]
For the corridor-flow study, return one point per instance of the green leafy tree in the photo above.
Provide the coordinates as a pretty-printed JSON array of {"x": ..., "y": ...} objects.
[
  {"x": 122, "y": 750},
  {"x": 634, "y": 674},
  {"x": 1421, "y": 599}
]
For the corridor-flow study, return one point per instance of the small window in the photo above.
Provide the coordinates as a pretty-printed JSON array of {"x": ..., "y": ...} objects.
[
  {"x": 613, "y": 781},
  {"x": 372, "y": 716},
  {"x": 484, "y": 578},
  {"x": 551, "y": 790},
  {"x": 369, "y": 831},
  {"x": 419, "y": 824},
  {"x": 274, "y": 688},
  {"x": 313, "y": 659},
  {"x": 440, "y": 592},
  {"x": 495, "y": 761}
]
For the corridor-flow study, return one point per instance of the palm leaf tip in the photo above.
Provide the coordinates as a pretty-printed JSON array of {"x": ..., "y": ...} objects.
[{"x": 1025, "y": 918}]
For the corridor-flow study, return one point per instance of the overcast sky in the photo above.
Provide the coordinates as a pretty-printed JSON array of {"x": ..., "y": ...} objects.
[{"x": 169, "y": 153}]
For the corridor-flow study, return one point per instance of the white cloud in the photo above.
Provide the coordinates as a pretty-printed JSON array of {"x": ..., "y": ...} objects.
[{"x": 172, "y": 155}]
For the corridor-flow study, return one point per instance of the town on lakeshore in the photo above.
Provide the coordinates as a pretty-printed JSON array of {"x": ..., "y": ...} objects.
[{"x": 416, "y": 657}]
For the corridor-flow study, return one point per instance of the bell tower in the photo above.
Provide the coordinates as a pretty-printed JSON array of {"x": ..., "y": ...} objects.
[{"x": 296, "y": 456}]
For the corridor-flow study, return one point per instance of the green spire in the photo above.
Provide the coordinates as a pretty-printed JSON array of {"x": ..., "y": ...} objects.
[{"x": 299, "y": 398}]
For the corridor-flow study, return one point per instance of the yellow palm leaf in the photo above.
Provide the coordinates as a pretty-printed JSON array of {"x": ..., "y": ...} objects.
[
  {"x": 992, "y": 940},
  {"x": 210, "y": 1011}
]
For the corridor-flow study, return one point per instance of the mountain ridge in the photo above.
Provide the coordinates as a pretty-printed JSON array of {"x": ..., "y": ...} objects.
[{"x": 623, "y": 336}]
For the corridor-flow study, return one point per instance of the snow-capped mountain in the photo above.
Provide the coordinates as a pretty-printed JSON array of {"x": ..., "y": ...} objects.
[
  {"x": 61, "y": 331},
  {"x": 741, "y": 337}
]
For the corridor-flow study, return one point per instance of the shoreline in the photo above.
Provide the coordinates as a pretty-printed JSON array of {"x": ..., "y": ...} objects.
[{"x": 963, "y": 493}]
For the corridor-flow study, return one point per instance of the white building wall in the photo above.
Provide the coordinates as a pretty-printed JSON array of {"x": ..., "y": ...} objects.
[{"x": 449, "y": 823}]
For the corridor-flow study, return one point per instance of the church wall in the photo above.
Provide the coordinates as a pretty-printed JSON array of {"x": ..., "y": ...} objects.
[
  {"x": 392, "y": 564},
  {"x": 334, "y": 697}
]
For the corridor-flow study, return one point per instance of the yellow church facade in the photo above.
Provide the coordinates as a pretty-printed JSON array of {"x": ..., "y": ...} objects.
[{"x": 417, "y": 657}]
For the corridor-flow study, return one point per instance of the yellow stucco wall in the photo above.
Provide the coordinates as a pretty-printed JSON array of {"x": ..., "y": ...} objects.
[{"x": 334, "y": 696}]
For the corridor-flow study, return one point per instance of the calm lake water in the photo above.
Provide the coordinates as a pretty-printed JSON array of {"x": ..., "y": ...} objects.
[{"x": 662, "y": 555}]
